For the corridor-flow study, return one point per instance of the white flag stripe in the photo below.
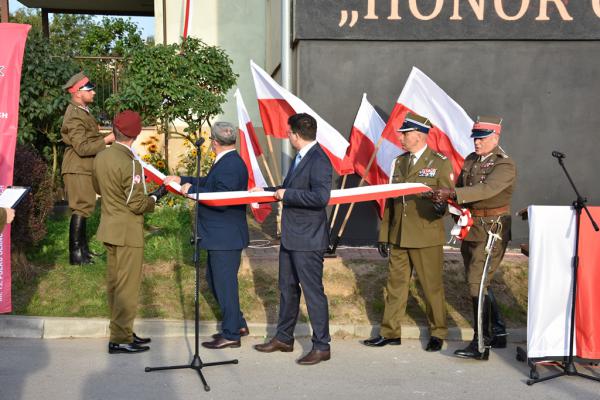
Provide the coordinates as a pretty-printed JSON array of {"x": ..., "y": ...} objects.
[
  {"x": 425, "y": 97},
  {"x": 243, "y": 119},
  {"x": 327, "y": 135},
  {"x": 371, "y": 124}
]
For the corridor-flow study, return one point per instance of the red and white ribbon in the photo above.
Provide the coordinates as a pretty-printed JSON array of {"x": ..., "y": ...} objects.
[{"x": 463, "y": 223}]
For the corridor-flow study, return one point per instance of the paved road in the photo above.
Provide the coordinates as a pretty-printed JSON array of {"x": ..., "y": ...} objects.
[{"x": 81, "y": 369}]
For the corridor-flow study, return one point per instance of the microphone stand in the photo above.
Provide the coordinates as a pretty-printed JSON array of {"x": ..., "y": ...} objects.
[
  {"x": 568, "y": 365},
  {"x": 197, "y": 364}
]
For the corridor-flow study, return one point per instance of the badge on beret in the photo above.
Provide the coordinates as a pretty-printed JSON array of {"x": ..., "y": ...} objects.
[
  {"x": 428, "y": 172},
  {"x": 137, "y": 179}
]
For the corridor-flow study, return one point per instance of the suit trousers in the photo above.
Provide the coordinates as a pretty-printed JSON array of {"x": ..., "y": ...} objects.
[
  {"x": 302, "y": 271},
  {"x": 428, "y": 263},
  {"x": 222, "y": 277},
  {"x": 80, "y": 194},
  {"x": 124, "y": 276},
  {"x": 474, "y": 256}
]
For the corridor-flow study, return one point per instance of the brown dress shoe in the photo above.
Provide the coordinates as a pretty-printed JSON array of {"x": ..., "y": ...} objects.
[
  {"x": 315, "y": 357},
  {"x": 221, "y": 343},
  {"x": 274, "y": 345},
  {"x": 243, "y": 332}
]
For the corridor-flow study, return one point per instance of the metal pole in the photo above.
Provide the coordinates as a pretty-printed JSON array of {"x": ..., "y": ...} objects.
[
  {"x": 286, "y": 74},
  {"x": 164, "y": 21}
]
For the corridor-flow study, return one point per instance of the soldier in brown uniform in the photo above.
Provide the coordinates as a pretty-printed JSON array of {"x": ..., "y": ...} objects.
[
  {"x": 83, "y": 140},
  {"x": 6, "y": 217},
  {"x": 413, "y": 227},
  {"x": 119, "y": 179},
  {"x": 485, "y": 186}
]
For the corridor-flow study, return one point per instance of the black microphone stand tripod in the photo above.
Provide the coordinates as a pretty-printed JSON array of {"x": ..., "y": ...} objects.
[
  {"x": 197, "y": 364},
  {"x": 568, "y": 365}
]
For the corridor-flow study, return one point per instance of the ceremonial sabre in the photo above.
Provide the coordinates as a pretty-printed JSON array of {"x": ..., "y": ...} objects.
[{"x": 489, "y": 247}]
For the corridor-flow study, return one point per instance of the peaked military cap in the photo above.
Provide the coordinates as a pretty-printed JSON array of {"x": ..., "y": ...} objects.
[
  {"x": 414, "y": 122},
  {"x": 78, "y": 82},
  {"x": 486, "y": 126}
]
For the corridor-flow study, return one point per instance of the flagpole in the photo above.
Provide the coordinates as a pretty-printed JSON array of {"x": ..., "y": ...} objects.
[
  {"x": 337, "y": 206},
  {"x": 333, "y": 247},
  {"x": 275, "y": 166}
]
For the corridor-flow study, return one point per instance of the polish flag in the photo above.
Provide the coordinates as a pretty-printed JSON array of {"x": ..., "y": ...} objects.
[
  {"x": 451, "y": 132},
  {"x": 249, "y": 151},
  {"x": 276, "y": 105},
  {"x": 365, "y": 135}
]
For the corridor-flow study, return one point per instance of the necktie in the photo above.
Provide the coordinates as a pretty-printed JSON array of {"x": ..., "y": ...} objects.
[
  {"x": 297, "y": 160},
  {"x": 411, "y": 162}
]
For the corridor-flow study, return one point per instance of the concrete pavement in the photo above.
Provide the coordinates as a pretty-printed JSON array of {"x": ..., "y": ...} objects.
[{"x": 68, "y": 369}]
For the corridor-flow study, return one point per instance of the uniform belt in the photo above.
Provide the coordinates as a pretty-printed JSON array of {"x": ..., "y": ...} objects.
[{"x": 490, "y": 212}]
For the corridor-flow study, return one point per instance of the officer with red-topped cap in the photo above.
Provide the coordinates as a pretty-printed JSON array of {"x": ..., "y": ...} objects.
[
  {"x": 119, "y": 179},
  {"x": 485, "y": 186},
  {"x": 83, "y": 140}
]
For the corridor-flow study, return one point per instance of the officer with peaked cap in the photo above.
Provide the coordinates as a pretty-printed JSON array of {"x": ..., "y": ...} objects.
[
  {"x": 83, "y": 140},
  {"x": 485, "y": 186},
  {"x": 119, "y": 179},
  {"x": 412, "y": 233}
]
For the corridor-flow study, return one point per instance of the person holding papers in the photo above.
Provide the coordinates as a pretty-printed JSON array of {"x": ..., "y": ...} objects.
[
  {"x": 118, "y": 177},
  {"x": 6, "y": 217},
  {"x": 223, "y": 232}
]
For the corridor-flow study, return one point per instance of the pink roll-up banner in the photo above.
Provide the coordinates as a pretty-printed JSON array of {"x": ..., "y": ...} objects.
[{"x": 12, "y": 47}]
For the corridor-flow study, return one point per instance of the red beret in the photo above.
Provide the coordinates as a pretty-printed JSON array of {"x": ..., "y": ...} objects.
[{"x": 129, "y": 123}]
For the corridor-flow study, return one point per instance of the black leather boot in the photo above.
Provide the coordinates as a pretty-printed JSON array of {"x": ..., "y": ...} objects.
[
  {"x": 87, "y": 254},
  {"x": 499, "y": 333},
  {"x": 76, "y": 256},
  {"x": 472, "y": 350}
]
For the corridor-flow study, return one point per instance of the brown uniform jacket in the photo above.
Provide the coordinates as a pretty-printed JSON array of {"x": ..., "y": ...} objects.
[
  {"x": 80, "y": 134},
  {"x": 411, "y": 221},
  {"x": 2, "y": 219},
  {"x": 118, "y": 178},
  {"x": 485, "y": 185}
]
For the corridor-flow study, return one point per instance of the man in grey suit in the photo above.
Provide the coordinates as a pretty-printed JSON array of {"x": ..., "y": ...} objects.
[{"x": 304, "y": 237}]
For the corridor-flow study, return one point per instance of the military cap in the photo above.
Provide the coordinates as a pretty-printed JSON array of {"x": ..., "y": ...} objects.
[
  {"x": 486, "y": 126},
  {"x": 78, "y": 82},
  {"x": 414, "y": 122},
  {"x": 129, "y": 123}
]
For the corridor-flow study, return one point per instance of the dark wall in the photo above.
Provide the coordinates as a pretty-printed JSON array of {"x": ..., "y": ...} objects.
[{"x": 547, "y": 92}]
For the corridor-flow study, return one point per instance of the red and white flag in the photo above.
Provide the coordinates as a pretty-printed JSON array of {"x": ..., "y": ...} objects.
[
  {"x": 276, "y": 105},
  {"x": 365, "y": 135},
  {"x": 451, "y": 132},
  {"x": 249, "y": 151}
]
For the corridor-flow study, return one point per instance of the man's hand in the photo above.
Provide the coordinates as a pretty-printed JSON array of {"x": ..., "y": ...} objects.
[
  {"x": 440, "y": 208},
  {"x": 442, "y": 195},
  {"x": 256, "y": 189},
  {"x": 10, "y": 215},
  {"x": 108, "y": 139},
  {"x": 279, "y": 194},
  {"x": 383, "y": 249},
  {"x": 172, "y": 178},
  {"x": 158, "y": 193},
  {"x": 186, "y": 188}
]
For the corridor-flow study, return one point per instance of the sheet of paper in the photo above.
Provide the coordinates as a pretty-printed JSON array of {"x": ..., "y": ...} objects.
[{"x": 11, "y": 196}]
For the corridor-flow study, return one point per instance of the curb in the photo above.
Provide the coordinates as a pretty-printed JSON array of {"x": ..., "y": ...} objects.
[{"x": 14, "y": 326}]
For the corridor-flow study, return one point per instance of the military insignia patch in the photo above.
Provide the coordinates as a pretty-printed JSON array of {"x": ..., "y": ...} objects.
[
  {"x": 487, "y": 165},
  {"x": 428, "y": 172},
  {"x": 137, "y": 179}
]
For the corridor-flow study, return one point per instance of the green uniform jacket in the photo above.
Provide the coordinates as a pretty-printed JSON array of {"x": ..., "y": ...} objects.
[
  {"x": 83, "y": 140},
  {"x": 118, "y": 178},
  {"x": 2, "y": 219},
  {"x": 486, "y": 184},
  {"x": 411, "y": 221}
]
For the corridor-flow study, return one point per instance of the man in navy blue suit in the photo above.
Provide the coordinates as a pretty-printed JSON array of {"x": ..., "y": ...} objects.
[
  {"x": 304, "y": 237},
  {"x": 223, "y": 232}
]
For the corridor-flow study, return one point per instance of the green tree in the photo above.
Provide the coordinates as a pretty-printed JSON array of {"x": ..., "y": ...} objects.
[{"x": 169, "y": 82}]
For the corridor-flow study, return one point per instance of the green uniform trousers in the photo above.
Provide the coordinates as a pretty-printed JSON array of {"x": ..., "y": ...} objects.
[
  {"x": 474, "y": 256},
  {"x": 428, "y": 263},
  {"x": 80, "y": 194},
  {"x": 123, "y": 279}
]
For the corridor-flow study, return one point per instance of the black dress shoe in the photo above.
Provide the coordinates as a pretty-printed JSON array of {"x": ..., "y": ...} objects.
[
  {"x": 499, "y": 341},
  {"x": 115, "y": 348},
  {"x": 243, "y": 332},
  {"x": 435, "y": 344},
  {"x": 315, "y": 357},
  {"x": 140, "y": 340},
  {"x": 472, "y": 351},
  {"x": 380, "y": 341},
  {"x": 221, "y": 343}
]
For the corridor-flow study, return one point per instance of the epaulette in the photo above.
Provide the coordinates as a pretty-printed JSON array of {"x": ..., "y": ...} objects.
[
  {"x": 443, "y": 157},
  {"x": 502, "y": 153}
]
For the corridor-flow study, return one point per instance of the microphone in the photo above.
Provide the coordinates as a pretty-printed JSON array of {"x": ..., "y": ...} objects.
[{"x": 558, "y": 154}]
